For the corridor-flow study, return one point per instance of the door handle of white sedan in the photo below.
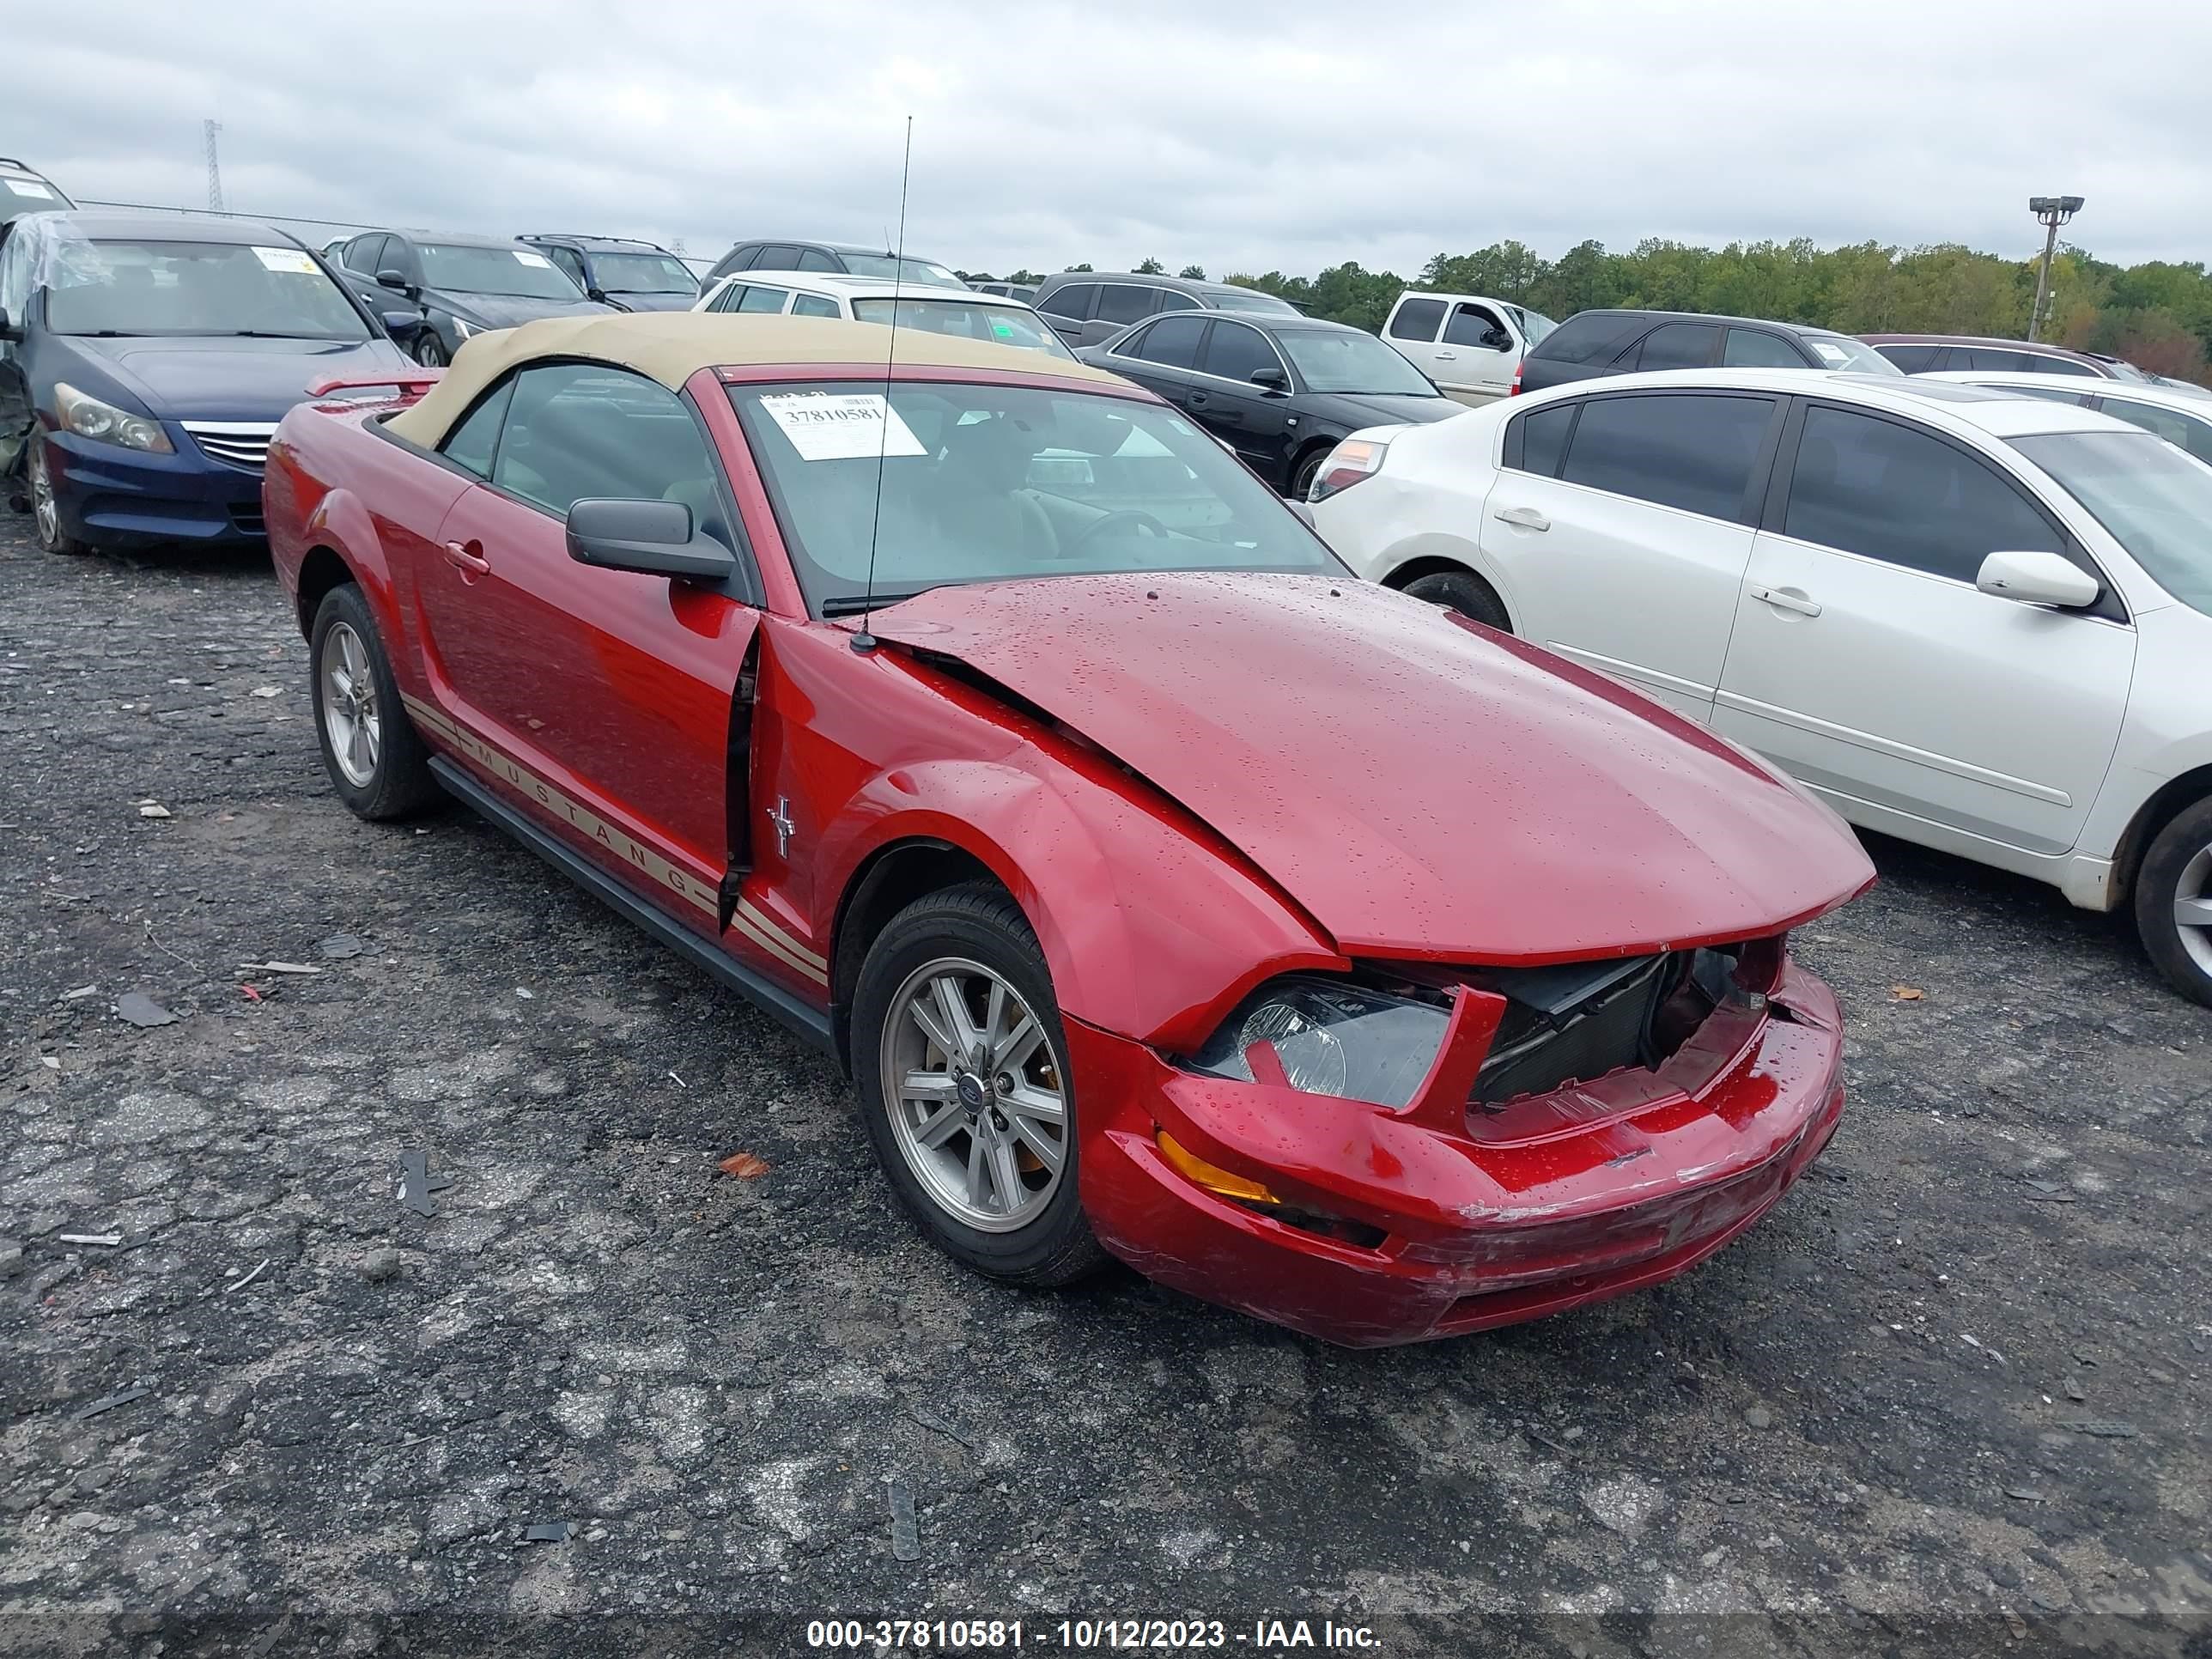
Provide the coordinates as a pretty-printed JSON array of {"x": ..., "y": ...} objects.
[
  {"x": 1447, "y": 356},
  {"x": 1786, "y": 599},
  {"x": 1524, "y": 517}
]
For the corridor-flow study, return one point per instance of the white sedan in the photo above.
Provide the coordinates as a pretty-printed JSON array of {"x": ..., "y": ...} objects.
[
  {"x": 1976, "y": 621},
  {"x": 997, "y": 318}
]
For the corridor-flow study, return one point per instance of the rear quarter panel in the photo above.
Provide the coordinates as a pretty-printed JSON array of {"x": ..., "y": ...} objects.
[{"x": 1426, "y": 504}]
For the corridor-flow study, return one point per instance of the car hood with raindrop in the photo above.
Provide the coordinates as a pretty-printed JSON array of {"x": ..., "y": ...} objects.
[{"x": 1419, "y": 786}]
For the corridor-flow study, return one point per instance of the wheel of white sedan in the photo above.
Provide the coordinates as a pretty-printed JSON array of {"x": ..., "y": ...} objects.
[
  {"x": 2174, "y": 903},
  {"x": 370, "y": 748},
  {"x": 963, "y": 1069}
]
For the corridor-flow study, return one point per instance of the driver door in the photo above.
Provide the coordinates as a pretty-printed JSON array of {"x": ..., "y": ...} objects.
[
  {"x": 601, "y": 701},
  {"x": 1477, "y": 356}
]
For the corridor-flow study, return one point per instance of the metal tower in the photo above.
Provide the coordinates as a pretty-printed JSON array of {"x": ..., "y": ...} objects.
[{"x": 214, "y": 166}]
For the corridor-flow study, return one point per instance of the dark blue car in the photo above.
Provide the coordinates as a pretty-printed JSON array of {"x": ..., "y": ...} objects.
[{"x": 145, "y": 360}]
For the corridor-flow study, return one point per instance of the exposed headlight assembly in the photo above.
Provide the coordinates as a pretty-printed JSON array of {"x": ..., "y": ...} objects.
[
  {"x": 1328, "y": 1037},
  {"x": 463, "y": 329},
  {"x": 89, "y": 418}
]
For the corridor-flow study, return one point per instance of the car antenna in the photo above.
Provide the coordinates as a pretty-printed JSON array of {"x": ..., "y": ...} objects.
[{"x": 864, "y": 640}]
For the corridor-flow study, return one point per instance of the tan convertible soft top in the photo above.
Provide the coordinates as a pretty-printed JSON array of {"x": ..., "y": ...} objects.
[{"x": 671, "y": 346}]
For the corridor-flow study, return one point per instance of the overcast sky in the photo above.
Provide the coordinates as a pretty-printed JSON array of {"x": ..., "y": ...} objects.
[{"x": 1288, "y": 135}]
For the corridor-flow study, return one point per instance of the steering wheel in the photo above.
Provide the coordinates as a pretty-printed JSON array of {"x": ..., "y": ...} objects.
[{"x": 1128, "y": 515}]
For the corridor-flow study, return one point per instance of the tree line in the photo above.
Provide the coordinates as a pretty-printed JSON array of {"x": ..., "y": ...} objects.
[{"x": 2157, "y": 315}]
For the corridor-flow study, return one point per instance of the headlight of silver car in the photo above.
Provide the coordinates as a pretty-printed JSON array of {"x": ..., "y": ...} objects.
[
  {"x": 463, "y": 329},
  {"x": 89, "y": 418},
  {"x": 1328, "y": 1037}
]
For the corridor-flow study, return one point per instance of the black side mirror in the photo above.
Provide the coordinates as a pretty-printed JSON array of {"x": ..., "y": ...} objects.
[
  {"x": 10, "y": 329},
  {"x": 396, "y": 280},
  {"x": 653, "y": 539},
  {"x": 596, "y": 293},
  {"x": 1271, "y": 380}
]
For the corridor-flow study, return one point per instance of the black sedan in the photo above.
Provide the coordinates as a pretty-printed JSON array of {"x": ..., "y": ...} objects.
[
  {"x": 1280, "y": 391},
  {"x": 434, "y": 290}
]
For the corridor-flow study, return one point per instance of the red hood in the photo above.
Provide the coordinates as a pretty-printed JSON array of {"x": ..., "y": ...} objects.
[{"x": 1420, "y": 786}]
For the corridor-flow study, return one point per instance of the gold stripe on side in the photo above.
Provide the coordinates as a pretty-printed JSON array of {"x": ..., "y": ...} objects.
[
  {"x": 612, "y": 837},
  {"x": 820, "y": 963},
  {"x": 775, "y": 946}
]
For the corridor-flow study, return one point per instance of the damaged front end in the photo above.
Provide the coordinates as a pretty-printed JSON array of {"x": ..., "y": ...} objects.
[{"x": 1415, "y": 1150}]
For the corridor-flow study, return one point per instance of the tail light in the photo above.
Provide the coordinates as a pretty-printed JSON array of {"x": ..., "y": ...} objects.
[
  {"x": 1517, "y": 367},
  {"x": 1348, "y": 464}
]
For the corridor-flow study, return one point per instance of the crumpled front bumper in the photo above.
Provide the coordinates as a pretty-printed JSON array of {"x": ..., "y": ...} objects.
[{"x": 1567, "y": 1198}]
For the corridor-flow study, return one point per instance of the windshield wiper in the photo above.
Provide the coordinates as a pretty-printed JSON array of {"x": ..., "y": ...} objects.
[
  {"x": 852, "y": 604},
  {"x": 270, "y": 334}
]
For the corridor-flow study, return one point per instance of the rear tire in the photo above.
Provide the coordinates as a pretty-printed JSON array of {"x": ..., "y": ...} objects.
[
  {"x": 377, "y": 761},
  {"x": 1466, "y": 593},
  {"x": 2174, "y": 903},
  {"x": 45, "y": 503},
  {"x": 980, "y": 1146}
]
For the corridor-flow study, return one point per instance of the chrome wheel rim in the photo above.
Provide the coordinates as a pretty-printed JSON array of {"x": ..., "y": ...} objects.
[
  {"x": 45, "y": 511},
  {"x": 2192, "y": 908},
  {"x": 349, "y": 712},
  {"x": 977, "y": 1102}
]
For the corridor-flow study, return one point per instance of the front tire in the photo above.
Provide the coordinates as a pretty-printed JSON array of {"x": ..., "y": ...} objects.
[
  {"x": 1466, "y": 593},
  {"x": 377, "y": 761},
  {"x": 46, "y": 524},
  {"x": 964, "y": 1083},
  {"x": 429, "y": 349},
  {"x": 1309, "y": 465},
  {"x": 2174, "y": 903}
]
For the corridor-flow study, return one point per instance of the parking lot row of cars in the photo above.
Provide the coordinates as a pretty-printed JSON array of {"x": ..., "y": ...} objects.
[{"x": 1392, "y": 963}]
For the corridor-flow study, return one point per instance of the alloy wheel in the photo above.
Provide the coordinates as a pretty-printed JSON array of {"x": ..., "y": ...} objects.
[
  {"x": 349, "y": 710},
  {"x": 2192, "y": 908},
  {"x": 45, "y": 510},
  {"x": 978, "y": 1105}
]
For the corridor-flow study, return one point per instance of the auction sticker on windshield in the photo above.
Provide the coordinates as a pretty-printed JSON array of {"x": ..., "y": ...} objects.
[
  {"x": 841, "y": 426},
  {"x": 1835, "y": 357},
  {"x": 30, "y": 188},
  {"x": 289, "y": 260},
  {"x": 524, "y": 256}
]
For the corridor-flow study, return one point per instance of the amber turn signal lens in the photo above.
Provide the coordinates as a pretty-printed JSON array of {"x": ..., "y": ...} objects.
[{"x": 1199, "y": 1172}]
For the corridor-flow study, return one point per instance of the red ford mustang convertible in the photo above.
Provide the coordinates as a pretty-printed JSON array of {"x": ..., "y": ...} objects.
[{"x": 1168, "y": 893}]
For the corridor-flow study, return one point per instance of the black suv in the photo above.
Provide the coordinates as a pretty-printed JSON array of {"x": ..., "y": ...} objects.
[
  {"x": 1087, "y": 306},
  {"x": 1593, "y": 343},
  {"x": 844, "y": 258},
  {"x": 621, "y": 271}
]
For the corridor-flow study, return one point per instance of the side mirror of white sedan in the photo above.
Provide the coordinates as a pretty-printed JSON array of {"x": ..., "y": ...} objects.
[{"x": 2038, "y": 579}]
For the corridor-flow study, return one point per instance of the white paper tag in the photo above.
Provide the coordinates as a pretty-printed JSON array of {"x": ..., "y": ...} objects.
[
  {"x": 290, "y": 260},
  {"x": 30, "y": 188},
  {"x": 1830, "y": 355},
  {"x": 524, "y": 256},
  {"x": 841, "y": 426}
]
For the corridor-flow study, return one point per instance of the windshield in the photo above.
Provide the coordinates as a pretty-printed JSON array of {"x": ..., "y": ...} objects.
[
  {"x": 2156, "y": 502},
  {"x": 1333, "y": 359},
  {"x": 189, "y": 288},
  {"x": 470, "y": 268},
  {"x": 966, "y": 319},
  {"x": 907, "y": 271},
  {"x": 641, "y": 273},
  {"x": 1841, "y": 351},
  {"x": 991, "y": 482},
  {"x": 1535, "y": 325}
]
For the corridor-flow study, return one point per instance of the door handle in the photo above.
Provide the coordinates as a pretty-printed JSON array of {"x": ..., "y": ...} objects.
[
  {"x": 1197, "y": 396},
  {"x": 1787, "y": 599},
  {"x": 1523, "y": 518},
  {"x": 468, "y": 563},
  {"x": 1447, "y": 356}
]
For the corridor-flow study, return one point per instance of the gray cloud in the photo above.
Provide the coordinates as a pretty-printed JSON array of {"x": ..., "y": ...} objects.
[{"x": 1288, "y": 135}]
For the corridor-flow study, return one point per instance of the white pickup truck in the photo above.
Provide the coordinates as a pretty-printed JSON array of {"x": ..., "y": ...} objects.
[{"x": 1467, "y": 344}]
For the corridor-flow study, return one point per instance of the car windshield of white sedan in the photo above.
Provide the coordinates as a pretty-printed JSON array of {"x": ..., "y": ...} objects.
[
  {"x": 473, "y": 268},
  {"x": 907, "y": 271},
  {"x": 988, "y": 483},
  {"x": 965, "y": 319},
  {"x": 642, "y": 273},
  {"x": 1344, "y": 360},
  {"x": 194, "y": 289},
  {"x": 2156, "y": 502}
]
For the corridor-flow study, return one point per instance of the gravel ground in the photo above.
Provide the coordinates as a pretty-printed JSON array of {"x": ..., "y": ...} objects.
[{"x": 1952, "y": 1395}]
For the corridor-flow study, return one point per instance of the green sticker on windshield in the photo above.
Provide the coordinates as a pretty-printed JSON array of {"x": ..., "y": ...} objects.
[{"x": 1004, "y": 331}]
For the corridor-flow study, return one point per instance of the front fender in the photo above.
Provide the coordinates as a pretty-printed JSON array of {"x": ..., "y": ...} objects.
[{"x": 1152, "y": 928}]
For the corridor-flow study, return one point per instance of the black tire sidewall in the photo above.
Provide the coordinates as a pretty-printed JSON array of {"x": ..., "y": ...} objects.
[
  {"x": 983, "y": 925},
  {"x": 2156, "y": 883},
  {"x": 1465, "y": 592},
  {"x": 428, "y": 342},
  {"x": 402, "y": 781},
  {"x": 1302, "y": 471}
]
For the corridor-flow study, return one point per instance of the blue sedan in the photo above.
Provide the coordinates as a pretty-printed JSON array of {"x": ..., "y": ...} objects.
[{"x": 145, "y": 360}]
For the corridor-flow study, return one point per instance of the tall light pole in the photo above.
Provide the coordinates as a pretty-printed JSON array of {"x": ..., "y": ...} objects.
[
  {"x": 2053, "y": 211},
  {"x": 208, "y": 129}
]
